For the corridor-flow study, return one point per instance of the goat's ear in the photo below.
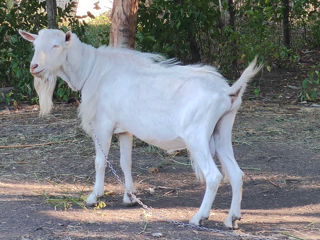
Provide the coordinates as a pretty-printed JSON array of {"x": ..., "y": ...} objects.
[
  {"x": 28, "y": 36},
  {"x": 68, "y": 37}
]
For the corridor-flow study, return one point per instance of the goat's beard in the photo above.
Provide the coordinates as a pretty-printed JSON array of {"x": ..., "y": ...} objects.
[{"x": 44, "y": 87}]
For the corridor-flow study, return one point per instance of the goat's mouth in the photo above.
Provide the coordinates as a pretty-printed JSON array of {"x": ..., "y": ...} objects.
[{"x": 36, "y": 73}]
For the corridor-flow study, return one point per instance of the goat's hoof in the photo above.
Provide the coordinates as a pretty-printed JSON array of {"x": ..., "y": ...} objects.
[
  {"x": 235, "y": 222},
  {"x": 91, "y": 200},
  {"x": 196, "y": 220},
  {"x": 129, "y": 201},
  {"x": 232, "y": 222}
]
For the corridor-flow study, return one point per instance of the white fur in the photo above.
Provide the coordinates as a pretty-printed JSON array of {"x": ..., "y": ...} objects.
[
  {"x": 44, "y": 88},
  {"x": 160, "y": 102}
]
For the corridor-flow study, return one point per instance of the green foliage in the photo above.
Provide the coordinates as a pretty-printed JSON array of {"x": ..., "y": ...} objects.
[
  {"x": 97, "y": 31},
  {"x": 311, "y": 85},
  {"x": 63, "y": 92},
  {"x": 305, "y": 17},
  {"x": 6, "y": 97},
  {"x": 178, "y": 29},
  {"x": 196, "y": 31},
  {"x": 15, "y": 53}
]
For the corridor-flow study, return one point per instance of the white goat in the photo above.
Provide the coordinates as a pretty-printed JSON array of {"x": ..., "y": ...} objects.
[{"x": 170, "y": 106}]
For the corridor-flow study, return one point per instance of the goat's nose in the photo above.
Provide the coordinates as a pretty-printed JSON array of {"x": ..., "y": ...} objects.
[{"x": 33, "y": 67}]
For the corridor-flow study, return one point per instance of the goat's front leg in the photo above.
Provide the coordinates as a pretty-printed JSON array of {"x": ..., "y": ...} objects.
[
  {"x": 102, "y": 141},
  {"x": 125, "y": 140}
]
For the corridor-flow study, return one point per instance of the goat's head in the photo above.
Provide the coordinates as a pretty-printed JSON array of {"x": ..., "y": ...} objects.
[{"x": 50, "y": 51}]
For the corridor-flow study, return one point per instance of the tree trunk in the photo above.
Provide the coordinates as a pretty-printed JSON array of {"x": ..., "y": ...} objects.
[
  {"x": 222, "y": 17},
  {"x": 52, "y": 13},
  {"x": 123, "y": 23},
  {"x": 194, "y": 49},
  {"x": 286, "y": 23},
  {"x": 231, "y": 11},
  {"x": 231, "y": 14}
]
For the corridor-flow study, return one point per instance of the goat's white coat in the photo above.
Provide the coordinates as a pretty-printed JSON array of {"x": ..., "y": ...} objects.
[
  {"x": 167, "y": 105},
  {"x": 44, "y": 89}
]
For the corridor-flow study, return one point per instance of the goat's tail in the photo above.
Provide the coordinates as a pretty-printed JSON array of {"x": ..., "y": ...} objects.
[{"x": 237, "y": 89}]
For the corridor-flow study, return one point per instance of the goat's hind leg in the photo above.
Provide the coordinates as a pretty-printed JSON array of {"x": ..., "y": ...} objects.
[
  {"x": 125, "y": 140},
  {"x": 102, "y": 139},
  {"x": 223, "y": 142},
  {"x": 213, "y": 154},
  {"x": 205, "y": 166}
]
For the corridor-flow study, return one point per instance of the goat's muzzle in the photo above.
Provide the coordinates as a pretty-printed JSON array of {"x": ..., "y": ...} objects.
[{"x": 34, "y": 69}]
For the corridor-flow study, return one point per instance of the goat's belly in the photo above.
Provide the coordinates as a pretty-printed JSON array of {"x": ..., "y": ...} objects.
[{"x": 168, "y": 145}]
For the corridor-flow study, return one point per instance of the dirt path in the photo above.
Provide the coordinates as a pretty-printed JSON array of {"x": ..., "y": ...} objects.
[{"x": 42, "y": 187}]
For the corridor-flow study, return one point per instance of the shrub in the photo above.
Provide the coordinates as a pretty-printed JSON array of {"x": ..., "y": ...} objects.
[
  {"x": 179, "y": 29},
  {"x": 195, "y": 30},
  {"x": 310, "y": 90},
  {"x": 16, "y": 53},
  {"x": 97, "y": 31}
]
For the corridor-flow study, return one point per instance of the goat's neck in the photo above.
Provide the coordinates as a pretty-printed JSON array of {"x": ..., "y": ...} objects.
[{"x": 78, "y": 65}]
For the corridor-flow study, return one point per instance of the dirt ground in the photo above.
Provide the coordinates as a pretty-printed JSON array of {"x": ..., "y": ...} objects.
[{"x": 47, "y": 169}]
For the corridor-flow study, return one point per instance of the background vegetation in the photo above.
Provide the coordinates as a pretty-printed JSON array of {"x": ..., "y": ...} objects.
[
  {"x": 231, "y": 35},
  {"x": 227, "y": 36}
]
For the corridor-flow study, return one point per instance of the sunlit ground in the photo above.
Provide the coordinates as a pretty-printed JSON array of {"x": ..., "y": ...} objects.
[{"x": 307, "y": 217}]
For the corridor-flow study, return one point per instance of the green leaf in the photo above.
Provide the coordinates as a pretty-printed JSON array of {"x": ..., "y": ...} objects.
[{"x": 268, "y": 68}]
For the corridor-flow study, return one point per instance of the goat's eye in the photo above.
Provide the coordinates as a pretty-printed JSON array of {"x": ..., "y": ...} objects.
[{"x": 55, "y": 46}]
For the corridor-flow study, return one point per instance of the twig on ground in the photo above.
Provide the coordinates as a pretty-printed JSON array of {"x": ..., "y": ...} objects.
[
  {"x": 292, "y": 236},
  {"x": 274, "y": 184},
  {"x": 145, "y": 215},
  {"x": 32, "y": 145},
  {"x": 181, "y": 163},
  {"x": 251, "y": 168},
  {"x": 144, "y": 228}
]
